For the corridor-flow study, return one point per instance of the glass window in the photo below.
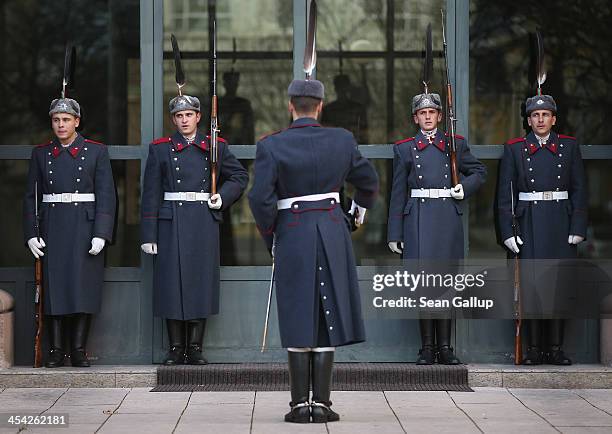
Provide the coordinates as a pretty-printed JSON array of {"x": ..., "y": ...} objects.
[
  {"x": 107, "y": 84},
  {"x": 254, "y": 68},
  {"x": 577, "y": 64},
  {"x": 370, "y": 60}
]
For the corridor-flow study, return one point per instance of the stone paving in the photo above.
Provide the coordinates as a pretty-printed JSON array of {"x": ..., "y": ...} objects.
[{"x": 488, "y": 410}]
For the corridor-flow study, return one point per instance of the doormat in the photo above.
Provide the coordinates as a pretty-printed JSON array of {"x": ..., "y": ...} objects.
[{"x": 248, "y": 377}]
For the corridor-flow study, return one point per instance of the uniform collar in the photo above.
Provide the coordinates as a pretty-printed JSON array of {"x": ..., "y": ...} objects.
[
  {"x": 74, "y": 148},
  {"x": 305, "y": 122},
  {"x": 179, "y": 143},
  {"x": 533, "y": 145},
  {"x": 422, "y": 142}
]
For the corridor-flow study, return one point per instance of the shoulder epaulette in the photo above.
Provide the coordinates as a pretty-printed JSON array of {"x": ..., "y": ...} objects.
[
  {"x": 161, "y": 140},
  {"x": 270, "y": 134},
  {"x": 458, "y": 136},
  {"x": 44, "y": 144},
  {"x": 409, "y": 139},
  {"x": 94, "y": 142},
  {"x": 563, "y": 136},
  {"x": 516, "y": 140}
]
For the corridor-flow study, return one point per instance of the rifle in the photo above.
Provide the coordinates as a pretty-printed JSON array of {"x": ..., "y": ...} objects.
[
  {"x": 450, "y": 113},
  {"x": 39, "y": 294},
  {"x": 517, "y": 308},
  {"x": 214, "y": 121}
]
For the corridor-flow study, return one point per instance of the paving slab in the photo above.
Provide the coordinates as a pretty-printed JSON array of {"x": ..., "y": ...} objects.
[
  {"x": 601, "y": 398},
  {"x": 270, "y": 408},
  {"x": 563, "y": 408},
  {"x": 217, "y": 398},
  {"x": 92, "y": 396},
  {"x": 142, "y": 401}
]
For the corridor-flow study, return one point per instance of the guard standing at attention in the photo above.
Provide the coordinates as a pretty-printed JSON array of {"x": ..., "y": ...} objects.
[
  {"x": 74, "y": 180},
  {"x": 180, "y": 224},
  {"x": 425, "y": 210}
]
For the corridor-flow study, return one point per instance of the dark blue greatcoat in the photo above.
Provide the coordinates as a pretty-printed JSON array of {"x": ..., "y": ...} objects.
[
  {"x": 73, "y": 278},
  {"x": 315, "y": 264},
  {"x": 544, "y": 226},
  {"x": 186, "y": 279},
  {"x": 430, "y": 228}
]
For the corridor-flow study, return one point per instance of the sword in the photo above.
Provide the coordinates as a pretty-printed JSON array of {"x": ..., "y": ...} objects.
[{"x": 265, "y": 331}]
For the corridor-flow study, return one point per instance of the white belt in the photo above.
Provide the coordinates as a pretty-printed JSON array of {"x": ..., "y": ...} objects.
[
  {"x": 286, "y": 203},
  {"x": 432, "y": 193},
  {"x": 69, "y": 197},
  {"x": 543, "y": 195},
  {"x": 186, "y": 196}
]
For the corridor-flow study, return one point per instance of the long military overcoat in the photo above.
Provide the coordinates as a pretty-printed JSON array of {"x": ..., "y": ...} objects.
[
  {"x": 314, "y": 260},
  {"x": 544, "y": 226},
  {"x": 186, "y": 276},
  {"x": 73, "y": 278},
  {"x": 430, "y": 228}
]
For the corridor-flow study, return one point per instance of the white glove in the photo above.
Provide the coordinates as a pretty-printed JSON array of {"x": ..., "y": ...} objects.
[
  {"x": 35, "y": 246},
  {"x": 396, "y": 247},
  {"x": 575, "y": 239},
  {"x": 97, "y": 244},
  {"x": 512, "y": 244},
  {"x": 149, "y": 248},
  {"x": 361, "y": 212},
  {"x": 215, "y": 201},
  {"x": 457, "y": 192}
]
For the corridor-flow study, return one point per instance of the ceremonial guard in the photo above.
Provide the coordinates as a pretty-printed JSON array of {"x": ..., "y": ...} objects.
[
  {"x": 432, "y": 173},
  {"x": 72, "y": 179},
  {"x": 181, "y": 213},
  {"x": 549, "y": 187},
  {"x": 295, "y": 201}
]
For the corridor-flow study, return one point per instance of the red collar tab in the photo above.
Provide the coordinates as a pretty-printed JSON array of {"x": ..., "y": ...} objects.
[
  {"x": 441, "y": 144},
  {"x": 74, "y": 150},
  {"x": 533, "y": 148},
  {"x": 56, "y": 151},
  {"x": 180, "y": 146},
  {"x": 203, "y": 145}
]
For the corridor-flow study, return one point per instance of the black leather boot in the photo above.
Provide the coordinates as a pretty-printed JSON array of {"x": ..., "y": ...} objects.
[
  {"x": 56, "y": 356},
  {"x": 555, "y": 355},
  {"x": 78, "y": 340},
  {"x": 176, "y": 337},
  {"x": 427, "y": 353},
  {"x": 195, "y": 335},
  {"x": 299, "y": 373},
  {"x": 446, "y": 356},
  {"x": 534, "y": 343},
  {"x": 322, "y": 365}
]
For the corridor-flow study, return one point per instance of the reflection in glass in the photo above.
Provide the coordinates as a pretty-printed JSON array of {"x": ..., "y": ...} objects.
[
  {"x": 578, "y": 67},
  {"x": 106, "y": 36}
]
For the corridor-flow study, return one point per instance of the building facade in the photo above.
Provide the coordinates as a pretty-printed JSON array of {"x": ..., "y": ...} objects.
[{"x": 125, "y": 78}]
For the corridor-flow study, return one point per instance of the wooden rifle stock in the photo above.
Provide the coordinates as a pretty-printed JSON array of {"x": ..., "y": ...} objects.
[
  {"x": 518, "y": 344},
  {"x": 38, "y": 306}
]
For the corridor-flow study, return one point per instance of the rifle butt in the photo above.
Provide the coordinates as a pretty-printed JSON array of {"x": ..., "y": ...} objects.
[{"x": 518, "y": 345}]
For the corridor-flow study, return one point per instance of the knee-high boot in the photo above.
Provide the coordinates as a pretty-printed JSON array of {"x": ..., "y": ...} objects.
[
  {"x": 322, "y": 365},
  {"x": 427, "y": 353},
  {"x": 78, "y": 339},
  {"x": 299, "y": 372},
  {"x": 56, "y": 355},
  {"x": 195, "y": 336},
  {"x": 446, "y": 356},
  {"x": 176, "y": 337}
]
